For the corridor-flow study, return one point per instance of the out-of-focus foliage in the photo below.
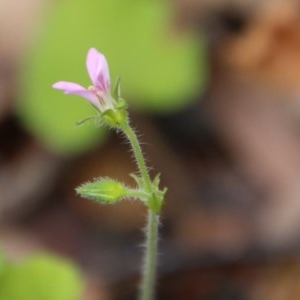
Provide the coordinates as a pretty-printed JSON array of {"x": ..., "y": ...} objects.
[
  {"x": 41, "y": 277},
  {"x": 2, "y": 263},
  {"x": 159, "y": 70}
]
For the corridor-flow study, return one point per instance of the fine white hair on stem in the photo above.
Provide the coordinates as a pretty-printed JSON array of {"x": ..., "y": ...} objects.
[{"x": 126, "y": 141}]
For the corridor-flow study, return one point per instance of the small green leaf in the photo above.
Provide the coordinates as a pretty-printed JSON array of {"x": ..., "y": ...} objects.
[{"x": 104, "y": 190}]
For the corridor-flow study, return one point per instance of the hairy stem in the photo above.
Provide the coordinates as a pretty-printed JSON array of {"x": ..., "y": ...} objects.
[
  {"x": 150, "y": 259},
  {"x": 138, "y": 154}
]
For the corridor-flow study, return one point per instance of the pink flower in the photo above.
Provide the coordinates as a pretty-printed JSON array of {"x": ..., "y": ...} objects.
[{"x": 99, "y": 93}]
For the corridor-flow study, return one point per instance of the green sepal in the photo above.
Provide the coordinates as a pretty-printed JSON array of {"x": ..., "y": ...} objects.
[
  {"x": 116, "y": 93},
  {"x": 105, "y": 190},
  {"x": 114, "y": 117},
  {"x": 81, "y": 122},
  {"x": 121, "y": 104}
]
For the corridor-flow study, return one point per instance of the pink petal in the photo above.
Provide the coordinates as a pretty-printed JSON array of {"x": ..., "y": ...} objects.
[
  {"x": 97, "y": 67},
  {"x": 67, "y": 87},
  {"x": 76, "y": 89}
]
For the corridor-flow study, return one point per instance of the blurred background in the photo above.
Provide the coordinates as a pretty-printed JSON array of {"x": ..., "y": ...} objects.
[{"x": 214, "y": 92}]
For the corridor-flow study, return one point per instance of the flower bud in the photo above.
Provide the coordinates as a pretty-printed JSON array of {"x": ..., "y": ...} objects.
[{"x": 105, "y": 190}]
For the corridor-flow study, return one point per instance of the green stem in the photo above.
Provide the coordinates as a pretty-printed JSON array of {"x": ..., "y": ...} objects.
[
  {"x": 138, "y": 194},
  {"x": 140, "y": 161},
  {"x": 150, "y": 260}
]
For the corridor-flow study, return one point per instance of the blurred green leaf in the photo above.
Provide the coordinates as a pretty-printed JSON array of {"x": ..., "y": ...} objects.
[
  {"x": 41, "y": 277},
  {"x": 160, "y": 70},
  {"x": 2, "y": 262}
]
